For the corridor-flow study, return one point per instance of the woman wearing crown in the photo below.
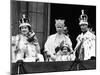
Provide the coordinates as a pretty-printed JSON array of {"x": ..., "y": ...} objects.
[
  {"x": 56, "y": 41},
  {"x": 26, "y": 44}
]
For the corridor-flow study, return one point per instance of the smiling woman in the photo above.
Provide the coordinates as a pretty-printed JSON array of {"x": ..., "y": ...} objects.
[
  {"x": 26, "y": 45},
  {"x": 34, "y": 12}
]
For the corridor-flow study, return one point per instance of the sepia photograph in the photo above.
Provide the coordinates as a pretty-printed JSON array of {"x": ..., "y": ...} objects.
[{"x": 52, "y": 37}]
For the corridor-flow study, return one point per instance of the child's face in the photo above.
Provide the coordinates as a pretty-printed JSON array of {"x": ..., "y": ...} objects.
[
  {"x": 24, "y": 30},
  {"x": 65, "y": 50}
]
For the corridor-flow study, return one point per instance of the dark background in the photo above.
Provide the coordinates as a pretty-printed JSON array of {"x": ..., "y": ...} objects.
[{"x": 71, "y": 13}]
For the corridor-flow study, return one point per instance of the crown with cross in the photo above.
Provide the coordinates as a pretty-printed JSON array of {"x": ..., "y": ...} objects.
[
  {"x": 83, "y": 18},
  {"x": 24, "y": 21}
]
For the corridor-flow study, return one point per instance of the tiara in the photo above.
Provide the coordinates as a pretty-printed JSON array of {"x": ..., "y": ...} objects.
[{"x": 59, "y": 21}]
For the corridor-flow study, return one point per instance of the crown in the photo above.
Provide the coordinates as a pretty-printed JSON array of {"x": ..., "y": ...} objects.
[
  {"x": 24, "y": 19},
  {"x": 83, "y": 18},
  {"x": 59, "y": 21}
]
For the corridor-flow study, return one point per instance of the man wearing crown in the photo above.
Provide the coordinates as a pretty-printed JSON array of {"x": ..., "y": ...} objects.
[
  {"x": 85, "y": 40},
  {"x": 56, "y": 41},
  {"x": 26, "y": 44}
]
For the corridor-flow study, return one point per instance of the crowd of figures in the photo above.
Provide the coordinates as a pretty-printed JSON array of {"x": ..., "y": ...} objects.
[{"x": 58, "y": 47}]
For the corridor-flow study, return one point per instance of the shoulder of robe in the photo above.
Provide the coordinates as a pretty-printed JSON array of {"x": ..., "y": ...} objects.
[
  {"x": 52, "y": 36},
  {"x": 91, "y": 35}
]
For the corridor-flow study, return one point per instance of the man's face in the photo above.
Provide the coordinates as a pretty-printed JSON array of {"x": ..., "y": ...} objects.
[
  {"x": 84, "y": 27},
  {"x": 24, "y": 30},
  {"x": 65, "y": 30},
  {"x": 59, "y": 28}
]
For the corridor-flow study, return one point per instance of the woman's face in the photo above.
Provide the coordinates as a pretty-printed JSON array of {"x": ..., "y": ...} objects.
[
  {"x": 24, "y": 30},
  {"x": 59, "y": 28}
]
